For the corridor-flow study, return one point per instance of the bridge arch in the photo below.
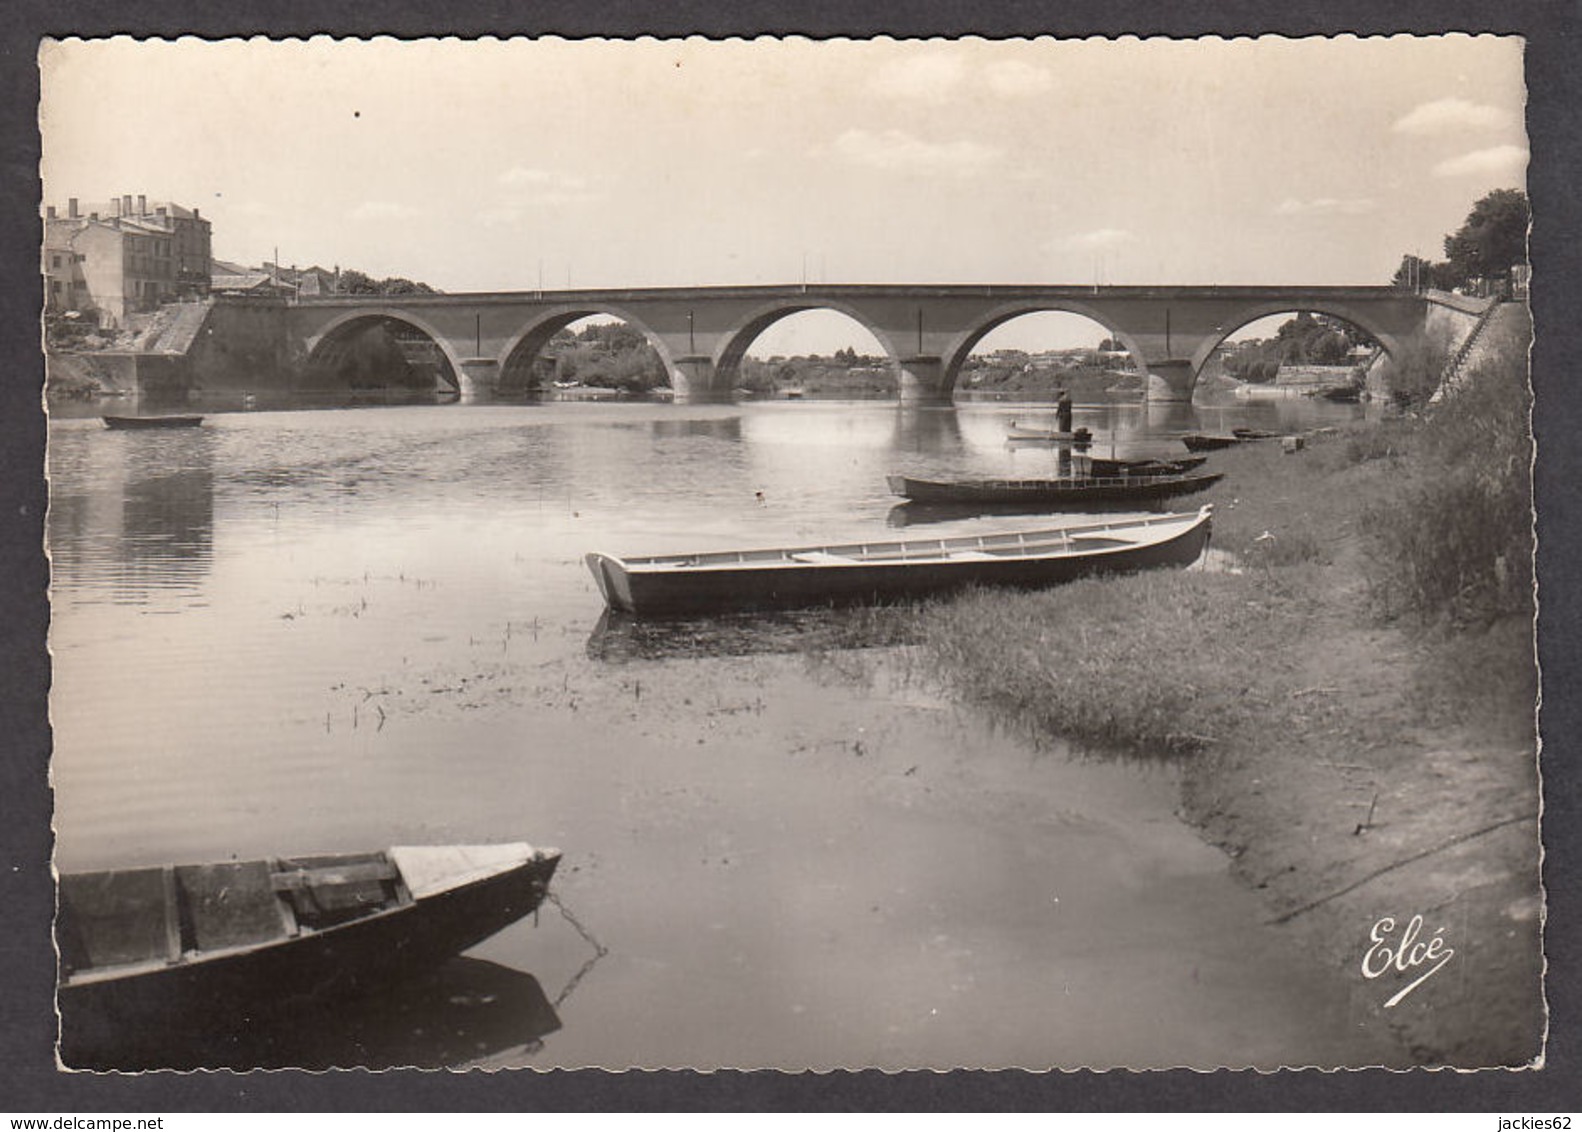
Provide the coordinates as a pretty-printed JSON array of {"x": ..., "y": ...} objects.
[
  {"x": 337, "y": 335},
  {"x": 1388, "y": 342},
  {"x": 961, "y": 347},
  {"x": 523, "y": 348},
  {"x": 733, "y": 345}
]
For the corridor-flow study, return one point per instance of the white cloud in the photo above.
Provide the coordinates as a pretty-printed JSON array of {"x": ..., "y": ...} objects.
[
  {"x": 1326, "y": 206},
  {"x": 899, "y": 151},
  {"x": 926, "y": 78},
  {"x": 382, "y": 210},
  {"x": 1500, "y": 159},
  {"x": 1014, "y": 78},
  {"x": 519, "y": 177},
  {"x": 1449, "y": 116},
  {"x": 542, "y": 187},
  {"x": 502, "y": 216},
  {"x": 939, "y": 76},
  {"x": 1103, "y": 239}
]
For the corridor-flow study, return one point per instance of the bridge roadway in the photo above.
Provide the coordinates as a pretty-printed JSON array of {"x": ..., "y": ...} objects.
[{"x": 702, "y": 333}]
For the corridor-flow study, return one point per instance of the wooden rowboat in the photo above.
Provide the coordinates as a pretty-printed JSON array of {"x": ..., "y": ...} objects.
[
  {"x": 1015, "y": 431},
  {"x": 152, "y": 422},
  {"x": 1072, "y": 489},
  {"x": 1201, "y": 442},
  {"x": 851, "y": 573},
  {"x": 1103, "y": 466},
  {"x": 195, "y": 945}
]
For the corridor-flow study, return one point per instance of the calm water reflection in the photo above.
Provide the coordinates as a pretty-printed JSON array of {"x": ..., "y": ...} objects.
[
  {"x": 468, "y": 1011},
  {"x": 316, "y": 631}
]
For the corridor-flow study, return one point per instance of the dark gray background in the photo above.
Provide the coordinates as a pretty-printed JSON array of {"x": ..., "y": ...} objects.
[{"x": 28, "y": 1079}]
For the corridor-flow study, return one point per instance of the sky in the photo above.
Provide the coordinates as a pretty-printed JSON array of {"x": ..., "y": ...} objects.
[{"x": 518, "y": 164}]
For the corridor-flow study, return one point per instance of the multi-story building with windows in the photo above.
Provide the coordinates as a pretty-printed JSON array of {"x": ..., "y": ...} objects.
[{"x": 116, "y": 260}]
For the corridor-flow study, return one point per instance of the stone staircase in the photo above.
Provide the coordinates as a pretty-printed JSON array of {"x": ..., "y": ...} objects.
[
  {"x": 177, "y": 328},
  {"x": 1474, "y": 348}
]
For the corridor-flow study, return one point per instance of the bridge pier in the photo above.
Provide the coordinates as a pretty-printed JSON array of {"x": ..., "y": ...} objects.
[
  {"x": 1170, "y": 380},
  {"x": 922, "y": 381},
  {"x": 478, "y": 378},
  {"x": 695, "y": 381}
]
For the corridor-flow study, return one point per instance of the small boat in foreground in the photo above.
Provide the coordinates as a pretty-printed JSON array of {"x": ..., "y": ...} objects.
[
  {"x": 195, "y": 945},
  {"x": 1071, "y": 489},
  {"x": 152, "y": 422},
  {"x": 851, "y": 573}
]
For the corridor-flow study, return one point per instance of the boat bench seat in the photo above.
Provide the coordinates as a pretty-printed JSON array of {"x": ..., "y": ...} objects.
[
  {"x": 326, "y": 891},
  {"x": 972, "y": 556},
  {"x": 354, "y": 873},
  {"x": 820, "y": 557},
  {"x": 232, "y": 904},
  {"x": 117, "y": 917}
]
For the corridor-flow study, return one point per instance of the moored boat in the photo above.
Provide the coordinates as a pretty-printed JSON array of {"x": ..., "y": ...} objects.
[
  {"x": 180, "y": 421},
  {"x": 851, "y": 573},
  {"x": 216, "y": 944},
  {"x": 1204, "y": 442},
  {"x": 1340, "y": 393},
  {"x": 1071, "y": 489},
  {"x": 1015, "y": 431},
  {"x": 1104, "y": 466}
]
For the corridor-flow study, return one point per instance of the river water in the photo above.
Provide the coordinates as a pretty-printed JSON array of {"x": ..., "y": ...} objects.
[{"x": 312, "y": 631}]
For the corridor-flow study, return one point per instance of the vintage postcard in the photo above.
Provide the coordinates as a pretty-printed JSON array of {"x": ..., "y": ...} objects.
[{"x": 792, "y": 554}]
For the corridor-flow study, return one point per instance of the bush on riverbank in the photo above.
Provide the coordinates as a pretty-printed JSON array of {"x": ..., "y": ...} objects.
[{"x": 1455, "y": 542}]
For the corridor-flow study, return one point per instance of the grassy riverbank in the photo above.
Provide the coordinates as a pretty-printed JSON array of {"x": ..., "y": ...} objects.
[{"x": 1353, "y": 698}]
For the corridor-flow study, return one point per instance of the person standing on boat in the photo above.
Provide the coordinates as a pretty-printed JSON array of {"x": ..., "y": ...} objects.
[{"x": 1063, "y": 410}]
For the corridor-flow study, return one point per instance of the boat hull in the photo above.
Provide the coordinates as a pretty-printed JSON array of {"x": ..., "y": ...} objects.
[
  {"x": 1108, "y": 489},
  {"x": 1103, "y": 466},
  {"x": 789, "y": 584},
  {"x": 1075, "y": 436},
  {"x": 151, "y": 422},
  {"x": 1199, "y": 443},
  {"x": 227, "y": 990}
]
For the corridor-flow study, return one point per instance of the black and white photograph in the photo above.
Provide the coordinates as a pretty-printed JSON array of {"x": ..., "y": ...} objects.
[{"x": 778, "y": 553}]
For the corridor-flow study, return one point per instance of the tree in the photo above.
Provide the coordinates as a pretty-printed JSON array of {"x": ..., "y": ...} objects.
[
  {"x": 356, "y": 283},
  {"x": 399, "y": 286},
  {"x": 1417, "y": 273},
  {"x": 1493, "y": 239}
]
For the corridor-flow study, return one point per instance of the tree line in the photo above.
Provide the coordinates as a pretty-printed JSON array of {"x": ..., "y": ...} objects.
[
  {"x": 1306, "y": 340},
  {"x": 353, "y": 282},
  {"x": 1491, "y": 241}
]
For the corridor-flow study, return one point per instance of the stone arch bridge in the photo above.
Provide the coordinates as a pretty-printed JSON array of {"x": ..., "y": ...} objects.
[{"x": 702, "y": 333}]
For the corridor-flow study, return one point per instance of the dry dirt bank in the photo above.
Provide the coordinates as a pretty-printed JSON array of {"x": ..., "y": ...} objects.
[{"x": 1393, "y": 793}]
